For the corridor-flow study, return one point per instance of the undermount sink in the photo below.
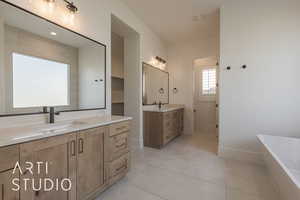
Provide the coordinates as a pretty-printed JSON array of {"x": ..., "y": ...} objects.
[
  {"x": 79, "y": 122},
  {"x": 59, "y": 128}
]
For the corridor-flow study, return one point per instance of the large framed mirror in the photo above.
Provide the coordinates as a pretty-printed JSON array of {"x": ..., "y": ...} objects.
[
  {"x": 155, "y": 85},
  {"x": 43, "y": 65}
]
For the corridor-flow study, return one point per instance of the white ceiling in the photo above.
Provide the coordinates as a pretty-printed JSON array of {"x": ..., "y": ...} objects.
[{"x": 173, "y": 21}]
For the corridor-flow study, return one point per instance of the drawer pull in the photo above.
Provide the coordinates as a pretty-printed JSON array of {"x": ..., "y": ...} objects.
[
  {"x": 121, "y": 128},
  {"x": 122, "y": 167},
  {"x": 121, "y": 145},
  {"x": 37, "y": 193},
  {"x": 73, "y": 148},
  {"x": 80, "y": 146}
]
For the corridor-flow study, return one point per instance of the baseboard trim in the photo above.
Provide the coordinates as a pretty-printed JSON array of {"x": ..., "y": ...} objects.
[{"x": 237, "y": 154}]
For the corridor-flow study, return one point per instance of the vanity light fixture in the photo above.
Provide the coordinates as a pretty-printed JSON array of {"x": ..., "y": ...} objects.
[
  {"x": 158, "y": 62},
  {"x": 161, "y": 62}
]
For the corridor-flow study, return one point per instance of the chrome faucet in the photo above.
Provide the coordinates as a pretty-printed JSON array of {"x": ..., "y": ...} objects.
[{"x": 52, "y": 114}]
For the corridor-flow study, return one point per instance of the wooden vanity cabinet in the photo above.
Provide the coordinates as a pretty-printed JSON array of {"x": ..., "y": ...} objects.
[
  {"x": 162, "y": 127},
  {"x": 90, "y": 162},
  {"x": 60, "y": 154},
  {"x": 93, "y": 159}
]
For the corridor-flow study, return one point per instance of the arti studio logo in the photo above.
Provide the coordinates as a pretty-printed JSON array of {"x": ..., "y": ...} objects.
[{"x": 38, "y": 169}]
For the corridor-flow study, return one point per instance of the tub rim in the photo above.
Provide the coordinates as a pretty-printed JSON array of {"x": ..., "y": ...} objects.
[{"x": 281, "y": 164}]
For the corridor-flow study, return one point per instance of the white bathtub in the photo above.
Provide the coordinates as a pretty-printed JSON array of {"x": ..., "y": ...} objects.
[{"x": 282, "y": 156}]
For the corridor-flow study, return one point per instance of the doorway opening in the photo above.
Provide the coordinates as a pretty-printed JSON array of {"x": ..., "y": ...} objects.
[
  {"x": 126, "y": 76},
  {"x": 206, "y": 102}
]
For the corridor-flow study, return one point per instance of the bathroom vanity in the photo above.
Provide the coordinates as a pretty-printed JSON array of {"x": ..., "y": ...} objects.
[
  {"x": 162, "y": 125},
  {"x": 93, "y": 153}
]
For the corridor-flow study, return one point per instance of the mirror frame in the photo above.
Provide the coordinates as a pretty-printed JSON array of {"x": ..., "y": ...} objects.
[
  {"x": 143, "y": 92},
  {"x": 79, "y": 34}
]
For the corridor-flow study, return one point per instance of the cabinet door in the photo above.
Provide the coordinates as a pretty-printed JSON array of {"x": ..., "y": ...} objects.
[
  {"x": 8, "y": 157},
  {"x": 90, "y": 162},
  {"x": 59, "y": 152},
  {"x": 6, "y": 192}
]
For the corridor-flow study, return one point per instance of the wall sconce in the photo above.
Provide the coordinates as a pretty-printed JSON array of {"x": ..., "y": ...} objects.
[{"x": 158, "y": 62}]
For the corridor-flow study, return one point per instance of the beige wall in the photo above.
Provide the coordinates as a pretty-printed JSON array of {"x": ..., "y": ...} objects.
[
  {"x": 181, "y": 59},
  {"x": 19, "y": 41},
  {"x": 264, "y": 98}
]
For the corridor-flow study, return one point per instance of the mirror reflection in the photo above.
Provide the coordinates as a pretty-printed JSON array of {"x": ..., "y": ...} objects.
[
  {"x": 155, "y": 85},
  {"x": 42, "y": 64}
]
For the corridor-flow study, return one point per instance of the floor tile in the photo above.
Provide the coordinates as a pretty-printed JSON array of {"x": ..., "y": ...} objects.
[
  {"x": 188, "y": 168},
  {"x": 125, "y": 191},
  {"x": 234, "y": 194},
  {"x": 176, "y": 186}
]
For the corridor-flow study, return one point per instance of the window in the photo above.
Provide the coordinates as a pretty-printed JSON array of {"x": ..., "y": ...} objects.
[
  {"x": 209, "y": 82},
  {"x": 39, "y": 82}
]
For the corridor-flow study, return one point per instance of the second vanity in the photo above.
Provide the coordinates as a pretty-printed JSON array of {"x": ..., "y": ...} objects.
[
  {"x": 93, "y": 153},
  {"x": 162, "y": 125}
]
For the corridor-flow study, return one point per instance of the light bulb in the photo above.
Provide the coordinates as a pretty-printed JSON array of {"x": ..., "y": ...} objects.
[
  {"x": 49, "y": 7},
  {"x": 71, "y": 17}
]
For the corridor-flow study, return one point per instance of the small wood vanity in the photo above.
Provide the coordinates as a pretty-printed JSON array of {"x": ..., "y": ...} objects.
[
  {"x": 162, "y": 126},
  {"x": 93, "y": 158}
]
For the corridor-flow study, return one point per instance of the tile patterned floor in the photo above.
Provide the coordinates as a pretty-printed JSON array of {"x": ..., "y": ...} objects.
[{"x": 189, "y": 169}]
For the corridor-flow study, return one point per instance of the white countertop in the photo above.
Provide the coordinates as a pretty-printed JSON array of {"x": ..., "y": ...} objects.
[
  {"x": 164, "y": 108},
  {"x": 17, "y": 135}
]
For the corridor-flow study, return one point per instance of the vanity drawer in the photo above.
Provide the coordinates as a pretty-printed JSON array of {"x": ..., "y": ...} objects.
[
  {"x": 118, "y": 145},
  {"x": 118, "y": 168},
  {"x": 168, "y": 125},
  {"x": 8, "y": 157},
  {"x": 175, "y": 115},
  {"x": 118, "y": 128},
  {"x": 167, "y": 116},
  {"x": 167, "y": 138}
]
